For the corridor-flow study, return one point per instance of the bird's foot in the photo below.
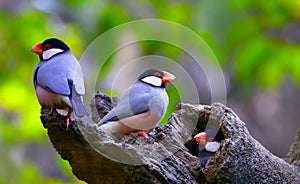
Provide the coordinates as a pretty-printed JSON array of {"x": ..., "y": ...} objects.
[
  {"x": 141, "y": 133},
  {"x": 51, "y": 110},
  {"x": 68, "y": 121},
  {"x": 68, "y": 116}
]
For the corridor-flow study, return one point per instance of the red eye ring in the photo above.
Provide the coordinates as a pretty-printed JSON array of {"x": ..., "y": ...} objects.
[{"x": 47, "y": 47}]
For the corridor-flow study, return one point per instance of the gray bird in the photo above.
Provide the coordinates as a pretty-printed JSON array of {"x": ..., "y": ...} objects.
[
  {"x": 208, "y": 143},
  {"x": 58, "y": 78},
  {"x": 142, "y": 106}
]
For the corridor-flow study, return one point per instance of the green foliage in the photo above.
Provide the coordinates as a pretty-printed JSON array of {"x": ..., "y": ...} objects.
[
  {"x": 15, "y": 170},
  {"x": 246, "y": 40},
  {"x": 174, "y": 97}
]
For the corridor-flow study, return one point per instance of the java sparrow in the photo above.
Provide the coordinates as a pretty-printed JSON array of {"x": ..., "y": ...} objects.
[
  {"x": 142, "y": 106},
  {"x": 58, "y": 78},
  {"x": 208, "y": 144}
]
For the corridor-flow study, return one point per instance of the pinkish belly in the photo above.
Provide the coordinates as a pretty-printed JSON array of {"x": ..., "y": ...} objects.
[
  {"x": 144, "y": 121},
  {"x": 50, "y": 99}
]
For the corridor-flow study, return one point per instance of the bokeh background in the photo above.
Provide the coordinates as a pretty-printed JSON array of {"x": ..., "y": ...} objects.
[{"x": 257, "y": 44}]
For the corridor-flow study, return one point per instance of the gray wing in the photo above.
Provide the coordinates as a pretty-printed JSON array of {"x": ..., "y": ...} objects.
[
  {"x": 34, "y": 77},
  {"x": 78, "y": 80},
  {"x": 77, "y": 88},
  {"x": 77, "y": 104},
  {"x": 135, "y": 101},
  {"x": 55, "y": 74}
]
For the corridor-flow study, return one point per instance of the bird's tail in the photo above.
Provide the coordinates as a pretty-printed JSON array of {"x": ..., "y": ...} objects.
[{"x": 77, "y": 104}]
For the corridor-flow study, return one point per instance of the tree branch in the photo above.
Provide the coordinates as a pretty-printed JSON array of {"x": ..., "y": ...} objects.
[{"x": 168, "y": 155}]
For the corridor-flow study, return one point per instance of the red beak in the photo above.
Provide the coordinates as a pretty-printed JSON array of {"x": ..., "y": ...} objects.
[
  {"x": 37, "y": 48},
  {"x": 167, "y": 77},
  {"x": 201, "y": 138}
]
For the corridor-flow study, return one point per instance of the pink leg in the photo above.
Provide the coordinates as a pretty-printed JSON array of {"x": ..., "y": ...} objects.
[
  {"x": 141, "y": 133},
  {"x": 68, "y": 116}
]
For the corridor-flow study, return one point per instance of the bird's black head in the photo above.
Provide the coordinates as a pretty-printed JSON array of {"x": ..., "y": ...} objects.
[
  {"x": 54, "y": 43},
  {"x": 156, "y": 77},
  {"x": 151, "y": 72},
  {"x": 49, "y": 48}
]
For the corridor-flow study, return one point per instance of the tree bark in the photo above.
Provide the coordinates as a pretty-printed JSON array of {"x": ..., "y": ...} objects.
[{"x": 168, "y": 155}]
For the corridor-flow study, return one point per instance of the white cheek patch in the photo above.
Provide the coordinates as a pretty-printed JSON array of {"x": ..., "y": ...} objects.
[
  {"x": 212, "y": 146},
  {"x": 51, "y": 52},
  {"x": 155, "y": 81}
]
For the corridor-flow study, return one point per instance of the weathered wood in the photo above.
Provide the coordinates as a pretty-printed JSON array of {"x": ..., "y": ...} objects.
[{"x": 166, "y": 156}]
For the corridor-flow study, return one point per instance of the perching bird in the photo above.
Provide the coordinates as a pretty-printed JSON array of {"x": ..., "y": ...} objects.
[
  {"x": 142, "y": 106},
  {"x": 208, "y": 144},
  {"x": 58, "y": 78}
]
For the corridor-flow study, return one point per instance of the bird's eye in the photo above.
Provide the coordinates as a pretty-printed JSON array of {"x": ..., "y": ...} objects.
[
  {"x": 47, "y": 47},
  {"x": 211, "y": 139},
  {"x": 157, "y": 74}
]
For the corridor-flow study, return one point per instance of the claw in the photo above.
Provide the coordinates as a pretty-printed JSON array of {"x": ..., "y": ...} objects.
[
  {"x": 141, "y": 133},
  {"x": 51, "y": 110}
]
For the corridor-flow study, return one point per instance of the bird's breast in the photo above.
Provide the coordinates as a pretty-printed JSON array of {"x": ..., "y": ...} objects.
[
  {"x": 144, "y": 121},
  {"x": 50, "y": 99}
]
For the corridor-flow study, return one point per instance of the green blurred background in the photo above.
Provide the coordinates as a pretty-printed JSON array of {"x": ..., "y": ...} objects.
[{"x": 256, "y": 43}]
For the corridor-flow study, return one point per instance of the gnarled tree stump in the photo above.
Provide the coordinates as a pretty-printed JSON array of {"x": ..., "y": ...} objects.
[{"x": 168, "y": 155}]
